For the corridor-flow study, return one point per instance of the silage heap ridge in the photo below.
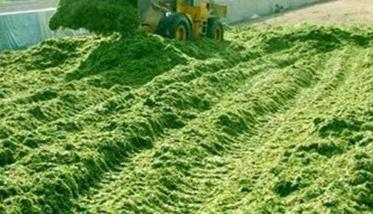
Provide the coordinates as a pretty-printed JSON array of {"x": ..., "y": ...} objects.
[{"x": 272, "y": 121}]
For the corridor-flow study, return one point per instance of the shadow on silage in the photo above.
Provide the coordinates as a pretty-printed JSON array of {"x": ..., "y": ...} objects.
[{"x": 136, "y": 60}]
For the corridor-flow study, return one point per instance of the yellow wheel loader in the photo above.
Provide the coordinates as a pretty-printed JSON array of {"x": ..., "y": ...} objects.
[{"x": 183, "y": 19}]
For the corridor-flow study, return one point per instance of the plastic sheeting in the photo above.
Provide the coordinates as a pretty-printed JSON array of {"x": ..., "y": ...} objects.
[{"x": 19, "y": 30}]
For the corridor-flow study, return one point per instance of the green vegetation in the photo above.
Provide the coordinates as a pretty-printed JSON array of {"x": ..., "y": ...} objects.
[
  {"x": 271, "y": 121},
  {"x": 100, "y": 16}
]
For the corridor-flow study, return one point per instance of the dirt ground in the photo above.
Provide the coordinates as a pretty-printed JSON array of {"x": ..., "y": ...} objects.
[{"x": 330, "y": 12}]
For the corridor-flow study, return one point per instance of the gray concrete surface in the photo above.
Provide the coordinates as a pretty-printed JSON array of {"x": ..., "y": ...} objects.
[
  {"x": 333, "y": 12},
  {"x": 239, "y": 10}
]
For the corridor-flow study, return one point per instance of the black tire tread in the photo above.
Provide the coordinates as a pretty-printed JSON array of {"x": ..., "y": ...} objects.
[{"x": 212, "y": 24}]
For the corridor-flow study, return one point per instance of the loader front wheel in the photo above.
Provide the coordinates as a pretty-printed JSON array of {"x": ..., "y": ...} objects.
[
  {"x": 215, "y": 29},
  {"x": 180, "y": 28},
  {"x": 181, "y": 33}
]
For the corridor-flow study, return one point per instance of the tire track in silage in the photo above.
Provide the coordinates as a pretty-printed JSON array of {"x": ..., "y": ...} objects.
[
  {"x": 186, "y": 121},
  {"x": 153, "y": 173},
  {"x": 246, "y": 164},
  {"x": 346, "y": 103},
  {"x": 109, "y": 152},
  {"x": 214, "y": 84},
  {"x": 95, "y": 112}
]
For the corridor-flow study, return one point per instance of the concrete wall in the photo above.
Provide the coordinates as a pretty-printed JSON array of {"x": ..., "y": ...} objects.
[
  {"x": 21, "y": 29},
  {"x": 239, "y": 10}
]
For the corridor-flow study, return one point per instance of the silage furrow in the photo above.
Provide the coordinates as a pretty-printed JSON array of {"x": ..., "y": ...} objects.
[
  {"x": 312, "y": 175},
  {"x": 242, "y": 161},
  {"x": 188, "y": 120},
  {"x": 178, "y": 172},
  {"x": 109, "y": 142},
  {"x": 46, "y": 117},
  {"x": 169, "y": 184},
  {"x": 47, "y": 114},
  {"x": 109, "y": 138}
]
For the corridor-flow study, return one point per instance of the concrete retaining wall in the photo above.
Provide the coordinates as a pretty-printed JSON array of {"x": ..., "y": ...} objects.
[
  {"x": 21, "y": 29},
  {"x": 239, "y": 10}
]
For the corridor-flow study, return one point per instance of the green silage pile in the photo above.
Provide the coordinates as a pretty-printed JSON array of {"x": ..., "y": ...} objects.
[
  {"x": 99, "y": 16},
  {"x": 273, "y": 120}
]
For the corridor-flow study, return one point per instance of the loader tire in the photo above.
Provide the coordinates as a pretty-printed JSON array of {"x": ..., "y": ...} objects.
[
  {"x": 215, "y": 29},
  {"x": 176, "y": 27}
]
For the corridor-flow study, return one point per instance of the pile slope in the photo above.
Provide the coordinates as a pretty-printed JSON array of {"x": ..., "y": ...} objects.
[{"x": 271, "y": 121}]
